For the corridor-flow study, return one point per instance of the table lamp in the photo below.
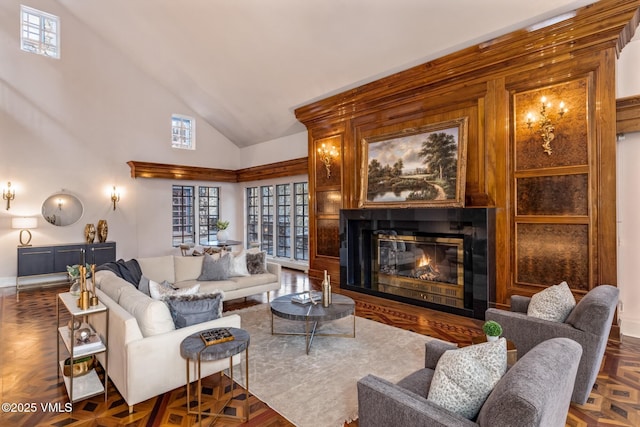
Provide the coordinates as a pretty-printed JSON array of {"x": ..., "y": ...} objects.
[{"x": 24, "y": 224}]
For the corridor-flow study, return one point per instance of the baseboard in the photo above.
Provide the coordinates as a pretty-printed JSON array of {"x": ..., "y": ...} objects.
[
  {"x": 630, "y": 328},
  {"x": 7, "y": 282}
]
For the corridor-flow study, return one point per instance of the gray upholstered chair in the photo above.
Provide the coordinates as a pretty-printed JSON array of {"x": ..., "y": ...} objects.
[
  {"x": 535, "y": 391},
  {"x": 589, "y": 323}
]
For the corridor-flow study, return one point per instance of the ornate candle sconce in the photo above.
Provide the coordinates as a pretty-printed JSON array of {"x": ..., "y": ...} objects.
[
  {"x": 546, "y": 126},
  {"x": 8, "y": 194},
  {"x": 327, "y": 154}
]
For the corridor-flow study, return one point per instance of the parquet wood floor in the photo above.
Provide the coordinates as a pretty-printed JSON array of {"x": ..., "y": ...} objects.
[{"x": 29, "y": 371}]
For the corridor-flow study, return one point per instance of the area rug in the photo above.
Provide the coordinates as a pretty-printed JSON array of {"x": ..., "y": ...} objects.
[{"x": 319, "y": 389}]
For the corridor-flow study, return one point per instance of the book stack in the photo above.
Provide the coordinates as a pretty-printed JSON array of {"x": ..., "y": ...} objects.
[
  {"x": 307, "y": 297},
  {"x": 216, "y": 336},
  {"x": 86, "y": 340}
]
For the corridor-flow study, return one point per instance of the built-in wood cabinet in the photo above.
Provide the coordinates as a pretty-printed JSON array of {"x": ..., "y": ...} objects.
[{"x": 554, "y": 212}]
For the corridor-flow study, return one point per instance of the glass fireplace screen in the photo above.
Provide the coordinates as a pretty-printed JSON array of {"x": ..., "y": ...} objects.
[{"x": 427, "y": 265}]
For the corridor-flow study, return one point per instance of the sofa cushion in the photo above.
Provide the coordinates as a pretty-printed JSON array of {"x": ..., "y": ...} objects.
[
  {"x": 256, "y": 263},
  {"x": 153, "y": 316},
  {"x": 187, "y": 310},
  {"x": 158, "y": 269},
  {"x": 215, "y": 269},
  {"x": 464, "y": 378},
  {"x": 238, "y": 264},
  {"x": 187, "y": 267},
  {"x": 111, "y": 284},
  {"x": 554, "y": 303},
  {"x": 162, "y": 290}
]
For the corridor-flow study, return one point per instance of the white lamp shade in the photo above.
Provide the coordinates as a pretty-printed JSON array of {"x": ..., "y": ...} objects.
[{"x": 24, "y": 223}]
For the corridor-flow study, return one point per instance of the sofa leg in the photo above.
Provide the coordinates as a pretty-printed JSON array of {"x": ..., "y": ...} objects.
[{"x": 130, "y": 409}]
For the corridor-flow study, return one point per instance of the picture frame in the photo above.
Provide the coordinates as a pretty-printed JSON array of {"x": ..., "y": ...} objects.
[{"x": 422, "y": 166}]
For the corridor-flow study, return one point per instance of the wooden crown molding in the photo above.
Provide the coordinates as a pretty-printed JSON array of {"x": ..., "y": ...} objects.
[
  {"x": 628, "y": 114},
  {"x": 274, "y": 170},
  {"x": 196, "y": 173},
  {"x": 604, "y": 24}
]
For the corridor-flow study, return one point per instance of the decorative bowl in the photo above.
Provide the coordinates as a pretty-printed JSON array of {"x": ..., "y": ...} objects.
[{"x": 81, "y": 366}]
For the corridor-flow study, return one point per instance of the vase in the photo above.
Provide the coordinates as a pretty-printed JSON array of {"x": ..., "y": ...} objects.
[
  {"x": 223, "y": 235},
  {"x": 89, "y": 233},
  {"x": 75, "y": 287},
  {"x": 103, "y": 230},
  {"x": 491, "y": 338}
]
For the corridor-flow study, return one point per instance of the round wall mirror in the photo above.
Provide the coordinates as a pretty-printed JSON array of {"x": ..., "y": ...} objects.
[{"x": 62, "y": 209}]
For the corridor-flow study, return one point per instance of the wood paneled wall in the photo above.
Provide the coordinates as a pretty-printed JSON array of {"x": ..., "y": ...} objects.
[{"x": 495, "y": 84}]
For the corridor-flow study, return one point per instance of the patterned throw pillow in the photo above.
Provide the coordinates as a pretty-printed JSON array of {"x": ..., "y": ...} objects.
[
  {"x": 464, "y": 378},
  {"x": 162, "y": 290},
  {"x": 554, "y": 303},
  {"x": 256, "y": 263},
  {"x": 187, "y": 310},
  {"x": 215, "y": 267}
]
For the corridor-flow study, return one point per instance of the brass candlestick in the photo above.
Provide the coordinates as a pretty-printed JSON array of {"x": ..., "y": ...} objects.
[
  {"x": 83, "y": 301},
  {"x": 94, "y": 297}
]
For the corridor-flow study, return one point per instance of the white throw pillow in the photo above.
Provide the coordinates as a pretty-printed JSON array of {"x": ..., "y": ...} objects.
[
  {"x": 159, "y": 291},
  {"x": 554, "y": 303},
  {"x": 464, "y": 378},
  {"x": 239, "y": 264}
]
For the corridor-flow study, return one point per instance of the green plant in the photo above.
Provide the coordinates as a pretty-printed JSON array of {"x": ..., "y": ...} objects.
[
  {"x": 222, "y": 225},
  {"x": 74, "y": 270},
  {"x": 492, "y": 328}
]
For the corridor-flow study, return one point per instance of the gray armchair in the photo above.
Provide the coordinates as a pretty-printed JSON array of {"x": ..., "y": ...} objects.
[
  {"x": 589, "y": 324},
  {"x": 534, "y": 392}
]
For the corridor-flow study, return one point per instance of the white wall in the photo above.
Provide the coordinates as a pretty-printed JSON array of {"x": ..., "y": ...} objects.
[
  {"x": 73, "y": 123},
  {"x": 287, "y": 148},
  {"x": 628, "y": 84}
]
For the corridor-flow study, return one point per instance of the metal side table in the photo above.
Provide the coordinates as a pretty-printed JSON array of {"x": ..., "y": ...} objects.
[{"x": 193, "y": 349}]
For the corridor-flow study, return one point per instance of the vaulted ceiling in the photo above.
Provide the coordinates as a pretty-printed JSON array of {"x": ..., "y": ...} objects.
[{"x": 245, "y": 65}]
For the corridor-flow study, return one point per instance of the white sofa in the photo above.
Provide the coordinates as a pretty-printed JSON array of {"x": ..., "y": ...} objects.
[{"x": 144, "y": 346}]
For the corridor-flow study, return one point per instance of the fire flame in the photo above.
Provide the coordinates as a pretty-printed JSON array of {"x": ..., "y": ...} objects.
[{"x": 424, "y": 261}]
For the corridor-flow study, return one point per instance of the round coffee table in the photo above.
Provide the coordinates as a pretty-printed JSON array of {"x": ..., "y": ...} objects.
[
  {"x": 194, "y": 349},
  {"x": 311, "y": 314}
]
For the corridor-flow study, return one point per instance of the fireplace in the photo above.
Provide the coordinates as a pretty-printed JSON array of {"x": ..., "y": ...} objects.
[{"x": 439, "y": 258}]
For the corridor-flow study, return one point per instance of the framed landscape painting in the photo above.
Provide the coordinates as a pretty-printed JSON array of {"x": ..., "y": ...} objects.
[{"x": 423, "y": 166}]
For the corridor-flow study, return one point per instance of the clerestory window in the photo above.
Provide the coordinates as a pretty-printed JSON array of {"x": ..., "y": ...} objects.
[{"x": 40, "y": 32}]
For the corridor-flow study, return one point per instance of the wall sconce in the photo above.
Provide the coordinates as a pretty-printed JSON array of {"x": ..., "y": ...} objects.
[
  {"x": 115, "y": 197},
  {"x": 327, "y": 154},
  {"x": 546, "y": 126},
  {"x": 24, "y": 225},
  {"x": 8, "y": 194}
]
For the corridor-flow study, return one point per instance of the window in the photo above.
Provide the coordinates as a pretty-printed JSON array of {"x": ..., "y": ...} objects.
[
  {"x": 301, "y": 220},
  {"x": 40, "y": 32},
  {"x": 183, "y": 132},
  {"x": 266, "y": 235},
  {"x": 253, "y": 214},
  {"x": 183, "y": 215},
  {"x": 291, "y": 207},
  {"x": 209, "y": 213},
  {"x": 283, "y": 243}
]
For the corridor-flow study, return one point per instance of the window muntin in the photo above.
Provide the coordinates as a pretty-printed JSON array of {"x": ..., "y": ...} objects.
[
  {"x": 291, "y": 214},
  {"x": 253, "y": 215},
  {"x": 283, "y": 202},
  {"x": 208, "y": 213},
  {"x": 301, "y": 220},
  {"x": 39, "y": 32},
  {"x": 183, "y": 215},
  {"x": 183, "y": 132},
  {"x": 267, "y": 210}
]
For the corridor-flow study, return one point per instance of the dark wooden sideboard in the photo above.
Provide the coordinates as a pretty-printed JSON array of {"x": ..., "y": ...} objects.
[{"x": 53, "y": 259}]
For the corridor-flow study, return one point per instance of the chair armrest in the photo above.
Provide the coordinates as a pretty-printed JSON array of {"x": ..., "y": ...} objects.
[
  {"x": 274, "y": 268},
  {"x": 526, "y": 331},
  {"x": 434, "y": 349},
  {"x": 383, "y": 404},
  {"x": 519, "y": 303}
]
